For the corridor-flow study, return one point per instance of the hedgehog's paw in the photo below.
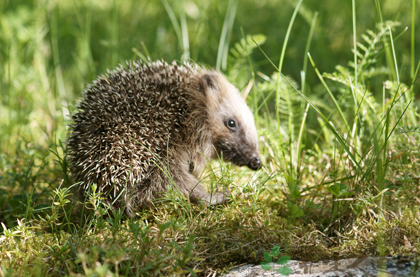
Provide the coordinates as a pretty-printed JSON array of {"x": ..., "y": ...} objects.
[
  {"x": 199, "y": 195},
  {"x": 217, "y": 198}
]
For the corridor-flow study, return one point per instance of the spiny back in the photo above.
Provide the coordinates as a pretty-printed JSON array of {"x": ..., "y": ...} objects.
[{"x": 125, "y": 119}]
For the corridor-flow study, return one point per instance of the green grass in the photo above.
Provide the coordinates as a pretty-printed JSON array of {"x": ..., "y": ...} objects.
[{"x": 340, "y": 148}]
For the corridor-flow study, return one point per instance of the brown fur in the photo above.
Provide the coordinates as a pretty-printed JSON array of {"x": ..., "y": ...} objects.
[{"x": 140, "y": 127}]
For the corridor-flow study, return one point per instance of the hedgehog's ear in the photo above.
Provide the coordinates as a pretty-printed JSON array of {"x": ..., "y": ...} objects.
[{"x": 209, "y": 82}]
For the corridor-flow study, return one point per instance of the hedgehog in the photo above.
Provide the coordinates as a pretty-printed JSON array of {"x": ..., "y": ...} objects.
[{"x": 142, "y": 128}]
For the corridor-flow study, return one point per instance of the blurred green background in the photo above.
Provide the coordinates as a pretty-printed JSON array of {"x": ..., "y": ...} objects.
[{"x": 50, "y": 49}]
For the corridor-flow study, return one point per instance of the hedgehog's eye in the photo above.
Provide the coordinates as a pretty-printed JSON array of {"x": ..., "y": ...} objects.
[{"x": 231, "y": 124}]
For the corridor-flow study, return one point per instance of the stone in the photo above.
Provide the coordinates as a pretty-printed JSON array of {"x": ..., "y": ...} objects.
[{"x": 354, "y": 267}]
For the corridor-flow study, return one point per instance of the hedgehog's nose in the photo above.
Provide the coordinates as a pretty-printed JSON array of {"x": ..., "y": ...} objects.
[{"x": 254, "y": 163}]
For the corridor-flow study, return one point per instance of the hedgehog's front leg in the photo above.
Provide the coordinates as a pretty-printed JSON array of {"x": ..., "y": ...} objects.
[
  {"x": 189, "y": 185},
  {"x": 198, "y": 194}
]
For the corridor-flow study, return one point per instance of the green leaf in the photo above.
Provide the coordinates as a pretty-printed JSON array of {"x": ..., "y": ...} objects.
[
  {"x": 268, "y": 257},
  {"x": 295, "y": 211},
  {"x": 294, "y": 191},
  {"x": 334, "y": 189},
  {"x": 338, "y": 189},
  {"x": 293, "y": 186},
  {"x": 343, "y": 188},
  {"x": 285, "y": 271},
  {"x": 266, "y": 266},
  {"x": 275, "y": 251},
  {"x": 283, "y": 260},
  {"x": 245, "y": 47}
]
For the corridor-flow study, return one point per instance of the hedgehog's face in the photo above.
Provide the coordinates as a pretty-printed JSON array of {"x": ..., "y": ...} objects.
[{"x": 232, "y": 126}]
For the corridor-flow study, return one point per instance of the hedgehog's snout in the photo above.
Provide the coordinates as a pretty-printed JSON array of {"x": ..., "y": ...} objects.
[{"x": 254, "y": 163}]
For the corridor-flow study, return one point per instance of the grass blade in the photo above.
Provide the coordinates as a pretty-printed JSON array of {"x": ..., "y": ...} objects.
[
  {"x": 222, "y": 52},
  {"x": 308, "y": 46},
  {"x": 330, "y": 93},
  {"x": 413, "y": 39},
  {"x": 283, "y": 52},
  {"x": 354, "y": 42}
]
